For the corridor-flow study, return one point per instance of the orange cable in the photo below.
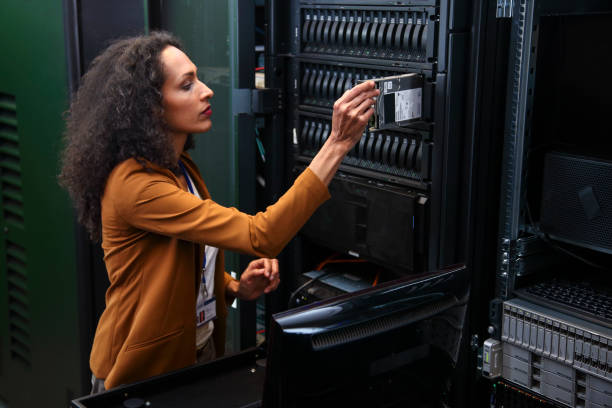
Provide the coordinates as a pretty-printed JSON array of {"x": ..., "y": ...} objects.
[
  {"x": 325, "y": 261},
  {"x": 322, "y": 264},
  {"x": 376, "y": 278}
]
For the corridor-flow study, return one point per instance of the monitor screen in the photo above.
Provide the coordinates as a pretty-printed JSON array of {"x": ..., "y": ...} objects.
[{"x": 386, "y": 346}]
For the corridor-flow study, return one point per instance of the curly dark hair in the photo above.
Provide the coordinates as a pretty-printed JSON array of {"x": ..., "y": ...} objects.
[{"x": 116, "y": 114}]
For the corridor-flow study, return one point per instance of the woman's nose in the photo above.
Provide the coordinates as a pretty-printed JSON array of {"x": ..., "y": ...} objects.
[{"x": 207, "y": 93}]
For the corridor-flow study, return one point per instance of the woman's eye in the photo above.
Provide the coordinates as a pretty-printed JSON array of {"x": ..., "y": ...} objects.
[{"x": 187, "y": 86}]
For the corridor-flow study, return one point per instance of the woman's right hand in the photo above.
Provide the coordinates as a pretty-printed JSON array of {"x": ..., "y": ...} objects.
[
  {"x": 351, "y": 115},
  {"x": 352, "y": 111}
]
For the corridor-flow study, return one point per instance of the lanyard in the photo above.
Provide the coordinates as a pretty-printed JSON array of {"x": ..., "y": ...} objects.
[
  {"x": 191, "y": 190},
  {"x": 186, "y": 177}
]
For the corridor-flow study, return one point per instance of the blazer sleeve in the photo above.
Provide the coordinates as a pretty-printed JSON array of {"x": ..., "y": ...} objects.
[
  {"x": 150, "y": 201},
  {"x": 227, "y": 278}
]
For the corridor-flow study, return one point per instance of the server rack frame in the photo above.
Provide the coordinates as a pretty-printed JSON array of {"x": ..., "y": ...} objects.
[
  {"x": 517, "y": 135},
  {"x": 284, "y": 55},
  {"x": 518, "y": 253},
  {"x": 482, "y": 68}
]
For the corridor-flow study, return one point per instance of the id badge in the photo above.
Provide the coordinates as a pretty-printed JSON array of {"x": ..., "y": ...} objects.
[{"x": 206, "y": 311}]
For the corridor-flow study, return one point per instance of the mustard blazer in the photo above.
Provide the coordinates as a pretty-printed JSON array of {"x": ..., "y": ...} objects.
[{"x": 153, "y": 236}]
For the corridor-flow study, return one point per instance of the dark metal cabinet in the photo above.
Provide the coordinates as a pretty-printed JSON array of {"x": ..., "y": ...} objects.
[
  {"x": 52, "y": 280},
  {"x": 557, "y": 102},
  {"x": 39, "y": 303}
]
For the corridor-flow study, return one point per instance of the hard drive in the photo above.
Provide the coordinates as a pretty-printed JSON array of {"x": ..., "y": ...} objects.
[{"x": 399, "y": 103}]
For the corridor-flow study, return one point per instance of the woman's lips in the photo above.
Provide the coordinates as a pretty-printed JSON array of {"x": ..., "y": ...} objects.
[{"x": 207, "y": 112}]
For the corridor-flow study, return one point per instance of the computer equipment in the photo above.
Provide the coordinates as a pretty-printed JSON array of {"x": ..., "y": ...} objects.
[
  {"x": 385, "y": 346},
  {"x": 394, "y": 199},
  {"x": 326, "y": 283},
  {"x": 491, "y": 358},
  {"x": 576, "y": 202},
  {"x": 508, "y": 395},
  {"x": 406, "y": 334},
  {"x": 555, "y": 187},
  {"x": 399, "y": 103},
  {"x": 562, "y": 357},
  {"x": 373, "y": 211},
  {"x": 578, "y": 299}
]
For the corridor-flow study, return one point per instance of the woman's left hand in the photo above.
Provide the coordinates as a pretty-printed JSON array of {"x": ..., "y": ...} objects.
[{"x": 261, "y": 276}]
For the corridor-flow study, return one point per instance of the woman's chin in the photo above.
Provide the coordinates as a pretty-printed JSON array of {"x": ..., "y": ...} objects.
[{"x": 203, "y": 129}]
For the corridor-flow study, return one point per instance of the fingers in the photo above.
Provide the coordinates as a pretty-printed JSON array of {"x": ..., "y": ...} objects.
[
  {"x": 252, "y": 276},
  {"x": 366, "y": 115},
  {"x": 269, "y": 267},
  {"x": 260, "y": 267},
  {"x": 274, "y": 267},
  {"x": 364, "y": 106},
  {"x": 360, "y": 91},
  {"x": 257, "y": 264},
  {"x": 363, "y": 97},
  {"x": 274, "y": 277},
  {"x": 358, "y": 117},
  {"x": 272, "y": 286},
  {"x": 351, "y": 94},
  {"x": 264, "y": 268}
]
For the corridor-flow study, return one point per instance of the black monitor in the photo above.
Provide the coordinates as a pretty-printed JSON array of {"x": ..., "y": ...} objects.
[{"x": 393, "y": 345}]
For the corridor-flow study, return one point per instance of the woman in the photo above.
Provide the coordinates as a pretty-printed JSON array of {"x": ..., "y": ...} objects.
[{"x": 138, "y": 192}]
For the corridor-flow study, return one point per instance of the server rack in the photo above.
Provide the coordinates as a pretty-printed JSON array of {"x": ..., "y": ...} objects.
[
  {"x": 402, "y": 198},
  {"x": 553, "y": 353},
  {"x": 399, "y": 197}
]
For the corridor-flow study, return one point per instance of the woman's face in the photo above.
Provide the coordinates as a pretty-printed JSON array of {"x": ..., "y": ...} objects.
[{"x": 186, "y": 100}]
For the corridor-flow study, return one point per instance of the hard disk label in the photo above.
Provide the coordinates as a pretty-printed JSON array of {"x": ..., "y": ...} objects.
[{"x": 408, "y": 104}]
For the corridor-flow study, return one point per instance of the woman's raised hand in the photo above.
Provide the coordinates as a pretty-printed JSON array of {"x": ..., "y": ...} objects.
[
  {"x": 352, "y": 111},
  {"x": 351, "y": 115}
]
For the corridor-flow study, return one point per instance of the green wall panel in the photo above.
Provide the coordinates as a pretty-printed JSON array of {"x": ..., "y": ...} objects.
[{"x": 38, "y": 284}]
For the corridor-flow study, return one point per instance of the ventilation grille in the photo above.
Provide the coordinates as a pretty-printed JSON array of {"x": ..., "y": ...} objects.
[
  {"x": 10, "y": 166},
  {"x": 11, "y": 198},
  {"x": 18, "y": 307},
  {"x": 386, "y": 323}
]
